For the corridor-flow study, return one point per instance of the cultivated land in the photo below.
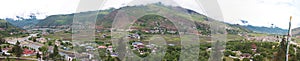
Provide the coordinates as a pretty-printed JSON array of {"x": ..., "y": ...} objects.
[{"x": 51, "y": 39}]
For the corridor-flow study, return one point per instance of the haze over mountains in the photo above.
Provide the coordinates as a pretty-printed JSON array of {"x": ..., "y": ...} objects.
[{"x": 106, "y": 17}]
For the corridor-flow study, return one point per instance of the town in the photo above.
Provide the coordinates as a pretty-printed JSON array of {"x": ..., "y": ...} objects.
[{"x": 151, "y": 32}]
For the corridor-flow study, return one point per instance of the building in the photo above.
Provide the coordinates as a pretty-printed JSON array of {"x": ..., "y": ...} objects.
[
  {"x": 110, "y": 49},
  {"x": 41, "y": 40},
  {"x": 28, "y": 52},
  {"x": 70, "y": 57},
  {"x": 137, "y": 45},
  {"x": 5, "y": 51},
  {"x": 102, "y": 47}
]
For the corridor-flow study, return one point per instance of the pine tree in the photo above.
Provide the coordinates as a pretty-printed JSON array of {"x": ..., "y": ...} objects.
[
  {"x": 282, "y": 51},
  {"x": 38, "y": 55},
  {"x": 17, "y": 50},
  {"x": 0, "y": 49},
  {"x": 2, "y": 41},
  {"x": 55, "y": 52}
]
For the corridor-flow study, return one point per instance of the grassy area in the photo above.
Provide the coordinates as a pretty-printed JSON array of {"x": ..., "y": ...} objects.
[
  {"x": 231, "y": 37},
  {"x": 258, "y": 34},
  {"x": 296, "y": 39},
  {"x": 13, "y": 59},
  {"x": 228, "y": 59},
  {"x": 59, "y": 35}
]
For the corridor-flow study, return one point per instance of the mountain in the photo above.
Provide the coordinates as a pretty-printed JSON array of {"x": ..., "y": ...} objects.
[
  {"x": 6, "y": 28},
  {"x": 268, "y": 30},
  {"x": 296, "y": 31},
  {"x": 105, "y": 18},
  {"x": 23, "y": 23},
  {"x": 66, "y": 20}
]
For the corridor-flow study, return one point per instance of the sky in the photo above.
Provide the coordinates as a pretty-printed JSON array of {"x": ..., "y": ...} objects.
[{"x": 256, "y": 12}]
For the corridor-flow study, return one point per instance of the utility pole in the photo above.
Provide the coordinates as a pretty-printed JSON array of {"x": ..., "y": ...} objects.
[{"x": 289, "y": 39}]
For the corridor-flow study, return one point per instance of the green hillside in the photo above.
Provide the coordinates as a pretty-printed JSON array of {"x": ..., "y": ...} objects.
[
  {"x": 67, "y": 19},
  {"x": 7, "y": 28},
  {"x": 106, "y": 17},
  {"x": 296, "y": 31}
]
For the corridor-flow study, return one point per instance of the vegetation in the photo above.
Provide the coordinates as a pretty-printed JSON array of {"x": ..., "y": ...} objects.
[
  {"x": 17, "y": 50},
  {"x": 9, "y": 30},
  {"x": 55, "y": 55},
  {"x": 263, "y": 51},
  {"x": 269, "y": 30}
]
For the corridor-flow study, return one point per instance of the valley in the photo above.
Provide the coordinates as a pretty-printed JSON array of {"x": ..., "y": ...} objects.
[{"x": 52, "y": 38}]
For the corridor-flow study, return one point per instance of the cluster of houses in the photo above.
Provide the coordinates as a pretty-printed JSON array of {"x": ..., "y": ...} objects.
[
  {"x": 109, "y": 49},
  {"x": 241, "y": 55},
  {"x": 41, "y": 40},
  {"x": 134, "y": 36},
  {"x": 4, "y": 51},
  {"x": 26, "y": 51},
  {"x": 155, "y": 30},
  {"x": 265, "y": 38},
  {"x": 139, "y": 45}
]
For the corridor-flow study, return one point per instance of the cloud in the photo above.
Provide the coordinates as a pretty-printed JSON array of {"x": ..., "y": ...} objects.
[
  {"x": 11, "y": 8},
  {"x": 260, "y": 12},
  {"x": 256, "y": 12}
]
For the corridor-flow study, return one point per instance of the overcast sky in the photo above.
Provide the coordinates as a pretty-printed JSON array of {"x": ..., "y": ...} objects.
[{"x": 256, "y": 12}]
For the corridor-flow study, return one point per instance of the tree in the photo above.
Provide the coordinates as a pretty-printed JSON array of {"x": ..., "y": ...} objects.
[
  {"x": 7, "y": 58},
  {"x": 236, "y": 59},
  {"x": 2, "y": 41},
  {"x": 3, "y": 54},
  {"x": 44, "y": 50},
  {"x": 74, "y": 60},
  {"x": 258, "y": 58},
  {"x": 17, "y": 50},
  {"x": 55, "y": 52},
  {"x": 246, "y": 59},
  {"x": 282, "y": 51},
  {"x": 228, "y": 53},
  {"x": 50, "y": 43},
  {"x": 38, "y": 55},
  {"x": 0, "y": 49},
  {"x": 34, "y": 39}
]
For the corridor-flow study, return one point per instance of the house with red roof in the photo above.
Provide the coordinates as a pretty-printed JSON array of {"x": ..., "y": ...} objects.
[
  {"x": 27, "y": 52},
  {"x": 102, "y": 47}
]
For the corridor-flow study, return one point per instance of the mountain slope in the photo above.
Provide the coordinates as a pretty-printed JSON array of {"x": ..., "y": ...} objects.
[
  {"x": 296, "y": 31},
  {"x": 106, "y": 17},
  {"x": 66, "y": 20},
  {"x": 267, "y": 30},
  {"x": 24, "y": 23},
  {"x": 6, "y": 28}
]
